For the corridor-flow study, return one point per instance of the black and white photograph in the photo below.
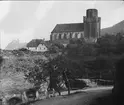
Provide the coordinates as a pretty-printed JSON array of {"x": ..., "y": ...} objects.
[{"x": 61, "y": 52}]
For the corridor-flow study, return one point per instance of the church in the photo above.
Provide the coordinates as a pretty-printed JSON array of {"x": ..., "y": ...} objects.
[{"x": 89, "y": 29}]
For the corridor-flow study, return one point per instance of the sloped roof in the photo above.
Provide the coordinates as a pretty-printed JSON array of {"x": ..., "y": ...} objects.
[
  {"x": 34, "y": 42},
  {"x": 72, "y": 27}
]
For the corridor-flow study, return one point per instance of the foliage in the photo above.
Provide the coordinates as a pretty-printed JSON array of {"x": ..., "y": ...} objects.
[
  {"x": 32, "y": 69},
  {"x": 61, "y": 64},
  {"x": 102, "y": 67},
  {"x": 79, "y": 48},
  {"x": 77, "y": 41},
  {"x": 1, "y": 60},
  {"x": 87, "y": 50},
  {"x": 23, "y": 49},
  {"x": 17, "y": 53},
  {"x": 77, "y": 84},
  {"x": 96, "y": 60},
  {"x": 30, "y": 66},
  {"x": 62, "y": 68},
  {"x": 106, "y": 44},
  {"x": 35, "y": 69},
  {"x": 56, "y": 47},
  {"x": 110, "y": 44},
  {"x": 8, "y": 68},
  {"x": 120, "y": 44}
]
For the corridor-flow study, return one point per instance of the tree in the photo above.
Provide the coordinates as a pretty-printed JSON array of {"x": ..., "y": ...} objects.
[
  {"x": 101, "y": 67},
  {"x": 60, "y": 66},
  {"x": 56, "y": 47},
  {"x": 79, "y": 48},
  {"x": 120, "y": 44},
  {"x": 87, "y": 50},
  {"x": 35, "y": 73},
  {"x": 24, "y": 50},
  {"x": 66, "y": 80},
  {"x": 1, "y": 60},
  {"x": 77, "y": 41},
  {"x": 106, "y": 44}
]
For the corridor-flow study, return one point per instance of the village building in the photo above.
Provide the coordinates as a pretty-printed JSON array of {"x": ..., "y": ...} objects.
[
  {"x": 89, "y": 29},
  {"x": 38, "y": 45}
]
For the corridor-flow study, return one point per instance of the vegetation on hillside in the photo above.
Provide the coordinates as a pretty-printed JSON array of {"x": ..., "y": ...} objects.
[
  {"x": 97, "y": 60},
  {"x": 78, "y": 60}
]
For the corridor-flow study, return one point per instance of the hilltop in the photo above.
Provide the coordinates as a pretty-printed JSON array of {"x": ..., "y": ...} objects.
[
  {"x": 117, "y": 28},
  {"x": 15, "y": 44}
]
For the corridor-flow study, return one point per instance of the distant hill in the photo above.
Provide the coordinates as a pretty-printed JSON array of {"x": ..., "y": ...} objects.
[
  {"x": 119, "y": 27},
  {"x": 15, "y": 44}
]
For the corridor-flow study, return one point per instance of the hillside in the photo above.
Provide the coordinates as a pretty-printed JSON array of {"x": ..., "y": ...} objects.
[
  {"x": 119, "y": 27},
  {"x": 15, "y": 44}
]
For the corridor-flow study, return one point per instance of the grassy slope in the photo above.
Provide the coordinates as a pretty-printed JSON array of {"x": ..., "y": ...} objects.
[{"x": 12, "y": 81}]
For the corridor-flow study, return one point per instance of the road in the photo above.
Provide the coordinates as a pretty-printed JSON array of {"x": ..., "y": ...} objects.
[{"x": 80, "y": 97}]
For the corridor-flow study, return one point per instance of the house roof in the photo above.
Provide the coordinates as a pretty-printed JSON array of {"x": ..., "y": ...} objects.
[
  {"x": 72, "y": 27},
  {"x": 34, "y": 42}
]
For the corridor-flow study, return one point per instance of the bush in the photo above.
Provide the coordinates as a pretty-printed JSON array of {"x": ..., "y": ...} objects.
[
  {"x": 24, "y": 50},
  {"x": 105, "y": 82},
  {"x": 77, "y": 84},
  {"x": 1, "y": 59}
]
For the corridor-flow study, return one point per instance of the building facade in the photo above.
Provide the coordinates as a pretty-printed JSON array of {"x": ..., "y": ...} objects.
[
  {"x": 67, "y": 31},
  {"x": 89, "y": 29},
  {"x": 42, "y": 47},
  {"x": 38, "y": 45}
]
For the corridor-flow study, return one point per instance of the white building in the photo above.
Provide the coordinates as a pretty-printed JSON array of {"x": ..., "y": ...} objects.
[
  {"x": 42, "y": 47},
  {"x": 37, "y": 45}
]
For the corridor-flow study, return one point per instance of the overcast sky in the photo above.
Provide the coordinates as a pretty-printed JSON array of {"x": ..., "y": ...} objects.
[{"x": 25, "y": 20}]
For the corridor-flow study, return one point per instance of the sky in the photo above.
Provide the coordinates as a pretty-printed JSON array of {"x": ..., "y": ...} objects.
[{"x": 27, "y": 20}]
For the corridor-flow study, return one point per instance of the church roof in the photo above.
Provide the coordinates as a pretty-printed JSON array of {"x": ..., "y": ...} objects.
[{"x": 72, "y": 27}]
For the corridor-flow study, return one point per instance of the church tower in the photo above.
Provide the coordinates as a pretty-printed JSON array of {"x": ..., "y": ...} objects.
[{"x": 91, "y": 25}]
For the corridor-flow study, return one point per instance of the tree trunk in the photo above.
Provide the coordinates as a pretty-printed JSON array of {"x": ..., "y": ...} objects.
[
  {"x": 66, "y": 81},
  {"x": 68, "y": 87},
  {"x": 100, "y": 75}
]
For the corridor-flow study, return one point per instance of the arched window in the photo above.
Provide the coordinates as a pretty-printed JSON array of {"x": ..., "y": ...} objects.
[
  {"x": 82, "y": 34},
  {"x": 65, "y": 36},
  {"x": 52, "y": 37},
  {"x": 57, "y": 36},
  {"x": 76, "y": 35},
  {"x": 79, "y": 35},
  {"x": 62, "y": 36},
  {"x": 68, "y": 35},
  {"x": 73, "y": 35}
]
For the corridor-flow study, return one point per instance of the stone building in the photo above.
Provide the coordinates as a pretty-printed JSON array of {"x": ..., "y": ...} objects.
[
  {"x": 89, "y": 29},
  {"x": 91, "y": 25}
]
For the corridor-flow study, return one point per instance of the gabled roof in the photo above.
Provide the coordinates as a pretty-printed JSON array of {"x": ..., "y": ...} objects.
[
  {"x": 34, "y": 42},
  {"x": 72, "y": 27}
]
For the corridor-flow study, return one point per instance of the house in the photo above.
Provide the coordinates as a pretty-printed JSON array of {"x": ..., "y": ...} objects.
[
  {"x": 37, "y": 45},
  {"x": 89, "y": 29}
]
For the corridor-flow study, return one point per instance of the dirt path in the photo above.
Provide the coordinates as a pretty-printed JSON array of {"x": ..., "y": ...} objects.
[{"x": 83, "y": 97}]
